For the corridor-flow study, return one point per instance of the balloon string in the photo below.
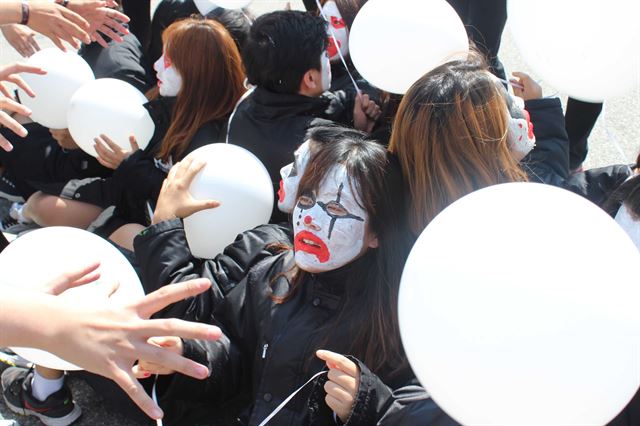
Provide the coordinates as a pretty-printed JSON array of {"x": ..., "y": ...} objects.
[
  {"x": 613, "y": 139},
  {"x": 335, "y": 41},
  {"x": 286, "y": 401},
  {"x": 245, "y": 96},
  {"x": 154, "y": 396}
]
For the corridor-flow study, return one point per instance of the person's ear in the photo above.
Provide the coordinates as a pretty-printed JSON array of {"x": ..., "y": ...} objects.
[
  {"x": 310, "y": 81},
  {"x": 373, "y": 242}
]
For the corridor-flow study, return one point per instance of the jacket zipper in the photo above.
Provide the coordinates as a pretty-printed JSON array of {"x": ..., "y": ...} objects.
[{"x": 264, "y": 350}]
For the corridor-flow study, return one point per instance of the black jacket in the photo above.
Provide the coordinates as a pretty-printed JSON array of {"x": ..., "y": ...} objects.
[
  {"x": 268, "y": 351},
  {"x": 273, "y": 125},
  {"x": 548, "y": 162},
  {"x": 163, "y": 255},
  {"x": 139, "y": 178}
]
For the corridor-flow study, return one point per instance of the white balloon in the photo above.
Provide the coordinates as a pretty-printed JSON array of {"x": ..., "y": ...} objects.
[
  {"x": 236, "y": 178},
  {"x": 110, "y": 107},
  {"x": 395, "y": 42},
  {"x": 38, "y": 257},
  {"x": 519, "y": 306},
  {"x": 66, "y": 72},
  {"x": 206, "y": 6},
  {"x": 591, "y": 53}
]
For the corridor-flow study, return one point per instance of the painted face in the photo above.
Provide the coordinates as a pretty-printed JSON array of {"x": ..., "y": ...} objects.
[
  {"x": 326, "y": 72},
  {"x": 329, "y": 226},
  {"x": 291, "y": 174},
  {"x": 169, "y": 81},
  {"x": 520, "y": 134},
  {"x": 337, "y": 28}
]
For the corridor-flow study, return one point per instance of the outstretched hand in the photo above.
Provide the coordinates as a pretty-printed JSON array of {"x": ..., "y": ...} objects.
[
  {"x": 102, "y": 19},
  {"x": 110, "y": 154},
  {"x": 108, "y": 339},
  {"x": 10, "y": 73},
  {"x": 175, "y": 200}
]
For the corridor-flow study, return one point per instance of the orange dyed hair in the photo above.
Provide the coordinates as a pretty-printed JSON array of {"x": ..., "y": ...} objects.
[
  {"x": 450, "y": 134},
  {"x": 206, "y": 57}
]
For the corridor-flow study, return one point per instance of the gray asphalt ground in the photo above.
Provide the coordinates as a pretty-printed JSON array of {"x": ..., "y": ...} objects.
[{"x": 618, "y": 128}]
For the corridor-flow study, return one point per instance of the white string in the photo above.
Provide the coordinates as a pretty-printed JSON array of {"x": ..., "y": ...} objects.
[
  {"x": 335, "y": 41},
  {"x": 613, "y": 139},
  {"x": 155, "y": 398},
  {"x": 286, "y": 401}
]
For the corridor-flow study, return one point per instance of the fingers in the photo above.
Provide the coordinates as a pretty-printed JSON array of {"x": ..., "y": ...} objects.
[
  {"x": 194, "y": 168},
  {"x": 136, "y": 392},
  {"x": 85, "y": 275},
  {"x": 18, "y": 81},
  {"x": 5, "y": 91},
  {"x": 12, "y": 124},
  {"x": 342, "y": 379},
  {"x": 5, "y": 144},
  {"x": 338, "y": 392},
  {"x": 95, "y": 36},
  {"x": 13, "y": 106},
  {"x": 114, "y": 146},
  {"x": 133, "y": 143},
  {"x": 338, "y": 361},
  {"x": 164, "y": 361},
  {"x": 183, "y": 167},
  {"x": 169, "y": 294}
]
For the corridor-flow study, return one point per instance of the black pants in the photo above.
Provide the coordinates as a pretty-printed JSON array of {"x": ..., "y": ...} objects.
[
  {"x": 484, "y": 21},
  {"x": 139, "y": 11},
  {"x": 580, "y": 118}
]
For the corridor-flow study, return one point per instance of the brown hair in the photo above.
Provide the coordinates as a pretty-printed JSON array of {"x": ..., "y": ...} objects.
[
  {"x": 450, "y": 135},
  {"x": 206, "y": 57}
]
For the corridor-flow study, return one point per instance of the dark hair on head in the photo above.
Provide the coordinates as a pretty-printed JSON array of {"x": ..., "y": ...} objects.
[
  {"x": 237, "y": 22},
  {"x": 369, "y": 314},
  {"x": 282, "y": 46}
]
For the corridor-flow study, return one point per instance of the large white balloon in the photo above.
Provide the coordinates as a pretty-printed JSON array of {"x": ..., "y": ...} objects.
[
  {"x": 66, "y": 73},
  {"x": 38, "y": 257},
  {"x": 395, "y": 42},
  {"x": 585, "y": 48},
  {"x": 206, "y": 6},
  {"x": 519, "y": 306},
  {"x": 111, "y": 107},
  {"x": 237, "y": 179}
]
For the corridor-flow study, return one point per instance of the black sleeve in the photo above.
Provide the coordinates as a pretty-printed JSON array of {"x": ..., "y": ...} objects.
[
  {"x": 164, "y": 257},
  {"x": 140, "y": 176},
  {"x": 597, "y": 185},
  {"x": 377, "y": 404},
  {"x": 229, "y": 359},
  {"x": 548, "y": 162}
]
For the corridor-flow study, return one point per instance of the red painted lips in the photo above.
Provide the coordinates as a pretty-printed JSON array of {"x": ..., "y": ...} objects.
[
  {"x": 281, "y": 193},
  {"x": 309, "y": 243}
]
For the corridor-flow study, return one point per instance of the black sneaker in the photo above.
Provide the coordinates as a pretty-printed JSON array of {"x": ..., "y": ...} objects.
[
  {"x": 57, "y": 410},
  {"x": 8, "y": 189}
]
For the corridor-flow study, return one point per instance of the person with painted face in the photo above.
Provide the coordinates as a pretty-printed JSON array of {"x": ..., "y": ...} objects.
[
  {"x": 332, "y": 292},
  {"x": 286, "y": 59},
  {"x": 457, "y": 130},
  {"x": 163, "y": 254},
  {"x": 199, "y": 82}
]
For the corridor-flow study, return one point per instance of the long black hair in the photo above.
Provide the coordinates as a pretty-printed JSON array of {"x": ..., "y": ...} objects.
[{"x": 369, "y": 313}]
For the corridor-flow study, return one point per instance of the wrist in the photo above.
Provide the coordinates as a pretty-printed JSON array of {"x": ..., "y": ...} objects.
[{"x": 24, "y": 12}]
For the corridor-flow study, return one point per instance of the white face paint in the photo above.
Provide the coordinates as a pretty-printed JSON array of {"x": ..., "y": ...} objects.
[
  {"x": 169, "y": 81},
  {"x": 338, "y": 28},
  {"x": 520, "y": 136},
  {"x": 325, "y": 70},
  {"x": 291, "y": 174},
  {"x": 329, "y": 226}
]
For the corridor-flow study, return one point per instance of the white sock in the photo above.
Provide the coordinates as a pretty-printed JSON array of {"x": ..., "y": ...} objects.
[{"x": 41, "y": 388}]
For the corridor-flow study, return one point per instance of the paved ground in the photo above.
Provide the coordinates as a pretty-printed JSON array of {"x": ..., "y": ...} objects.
[{"x": 619, "y": 124}]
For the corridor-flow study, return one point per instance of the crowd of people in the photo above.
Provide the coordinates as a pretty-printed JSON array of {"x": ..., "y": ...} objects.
[{"x": 358, "y": 176}]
